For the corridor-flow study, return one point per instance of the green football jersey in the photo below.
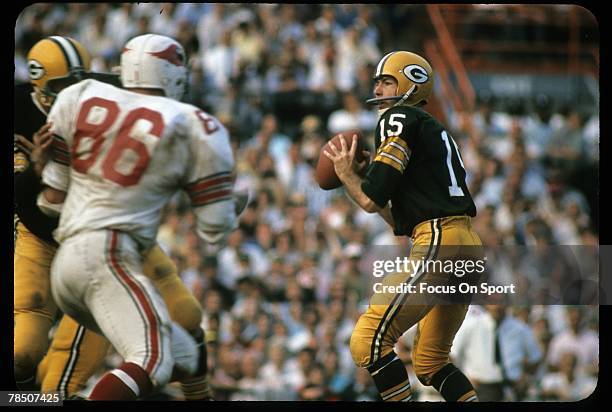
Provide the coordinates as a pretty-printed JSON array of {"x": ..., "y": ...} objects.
[{"x": 417, "y": 168}]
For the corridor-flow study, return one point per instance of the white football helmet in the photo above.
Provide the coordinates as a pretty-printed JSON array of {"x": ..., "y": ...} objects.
[{"x": 151, "y": 61}]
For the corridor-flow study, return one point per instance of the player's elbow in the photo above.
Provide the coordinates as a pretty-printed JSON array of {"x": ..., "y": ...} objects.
[
  {"x": 54, "y": 196},
  {"x": 50, "y": 201},
  {"x": 216, "y": 221},
  {"x": 370, "y": 206}
]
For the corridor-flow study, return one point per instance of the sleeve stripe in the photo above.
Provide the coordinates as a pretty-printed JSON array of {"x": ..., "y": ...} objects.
[
  {"x": 399, "y": 141},
  {"x": 390, "y": 156},
  {"x": 210, "y": 202},
  {"x": 64, "y": 160},
  {"x": 399, "y": 155},
  {"x": 60, "y": 149},
  {"x": 203, "y": 186},
  {"x": 207, "y": 181},
  {"x": 59, "y": 143},
  {"x": 214, "y": 188},
  {"x": 400, "y": 148},
  {"x": 391, "y": 161},
  {"x": 20, "y": 162},
  {"x": 61, "y": 152},
  {"x": 211, "y": 198}
]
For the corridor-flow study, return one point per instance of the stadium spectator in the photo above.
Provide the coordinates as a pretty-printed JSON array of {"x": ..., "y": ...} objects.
[
  {"x": 275, "y": 374},
  {"x": 569, "y": 383},
  {"x": 577, "y": 339},
  {"x": 352, "y": 116},
  {"x": 220, "y": 64},
  {"x": 498, "y": 353}
]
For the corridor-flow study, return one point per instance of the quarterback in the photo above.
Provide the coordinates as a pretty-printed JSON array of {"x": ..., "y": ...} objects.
[
  {"x": 416, "y": 181},
  {"x": 129, "y": 152}
]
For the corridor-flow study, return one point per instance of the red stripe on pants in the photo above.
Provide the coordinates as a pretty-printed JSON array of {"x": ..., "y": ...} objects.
[{"x": 147, "y": 309}]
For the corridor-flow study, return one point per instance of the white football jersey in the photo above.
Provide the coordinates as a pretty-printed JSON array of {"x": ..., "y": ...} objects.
[{"x": 123, "y": 155}]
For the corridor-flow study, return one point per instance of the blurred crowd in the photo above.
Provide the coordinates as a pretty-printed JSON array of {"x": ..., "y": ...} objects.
[{"x": 281, "y": 298}]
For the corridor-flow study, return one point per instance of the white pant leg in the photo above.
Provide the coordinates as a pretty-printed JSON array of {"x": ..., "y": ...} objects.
[{"x": 97, "y": 279}]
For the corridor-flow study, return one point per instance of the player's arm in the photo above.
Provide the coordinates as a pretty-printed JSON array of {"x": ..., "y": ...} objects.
[
  {"x": 56, "y": 179},
  {"x": 21, "y": 153},
  {"x": 210, "y": 181},
  {"x": 39, "y": 150},
  {"x": 399, "y": 126},
  {"x": 387, "y": 216},
  {"x": 374, "y": 191},
  {"x": 353, "y": 184},
  {"x": 56, "y": 172},
  {"x": 346, "y": 170},
  {"x": 28, "y": 183},
  {"x": 50, "y": 201}
]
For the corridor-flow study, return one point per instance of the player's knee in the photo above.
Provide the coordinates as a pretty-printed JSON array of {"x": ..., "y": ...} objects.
[
  {"x": 33, "y": 300},
  {"x": 425, "y": 367},
  {"x": 360, "y": 349},
  {"x": 158, "y": 265},
  {"x": 24, "y": 363}
]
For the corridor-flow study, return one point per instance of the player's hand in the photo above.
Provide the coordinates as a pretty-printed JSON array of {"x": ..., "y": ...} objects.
[
  {"x": 41, "y": 151},
  {"x": 23, "y": 144},
  {"x": 344, "y": 158}
]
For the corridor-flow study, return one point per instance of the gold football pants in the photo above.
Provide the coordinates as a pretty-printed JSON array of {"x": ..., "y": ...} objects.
[
  {"x": 75, "y": 353},
  {"x": 34, "y": 310},
  {"x": 388, "y": 316}
]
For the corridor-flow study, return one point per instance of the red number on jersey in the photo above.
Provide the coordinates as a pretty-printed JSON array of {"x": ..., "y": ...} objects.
[
  {"x": 123, "y": 144},
  {"x": 209, "y": 123},
  {"x": 92, "y": 131}
]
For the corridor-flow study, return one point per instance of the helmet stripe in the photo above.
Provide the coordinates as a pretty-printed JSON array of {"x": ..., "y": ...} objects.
[
  {"x": 70, "y": 52},
  {"x": 381, "y": 64},
  {"x": 78, "y": 54}
]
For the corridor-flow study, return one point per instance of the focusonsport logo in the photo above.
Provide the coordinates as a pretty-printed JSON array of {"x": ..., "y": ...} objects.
[
  {"x": 416, "y": 73},
  {"x": 35, "y": 69}
]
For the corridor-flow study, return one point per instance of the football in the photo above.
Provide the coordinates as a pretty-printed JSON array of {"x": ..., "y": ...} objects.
[{"x": 325, "y": 173}]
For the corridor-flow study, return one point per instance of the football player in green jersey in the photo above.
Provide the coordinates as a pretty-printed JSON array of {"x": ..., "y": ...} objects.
[{"x": 416, "y": 182}]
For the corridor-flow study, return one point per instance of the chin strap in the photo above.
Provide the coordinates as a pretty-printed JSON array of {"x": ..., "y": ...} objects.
[
  {"x": 406, "y": 95},
  {"x": 376, "y": 100},
  {"x": 400, "y": 99}
]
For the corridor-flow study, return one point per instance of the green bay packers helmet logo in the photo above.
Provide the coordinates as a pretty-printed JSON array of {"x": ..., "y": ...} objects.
[
  {"x": 35, "y": 69},
  {"x": 416, "y": 73}
]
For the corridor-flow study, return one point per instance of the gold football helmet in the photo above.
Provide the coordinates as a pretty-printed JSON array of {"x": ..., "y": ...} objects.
[
  {"x": 54, "y": 63},
  {"x": 413, "y": 74}
]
